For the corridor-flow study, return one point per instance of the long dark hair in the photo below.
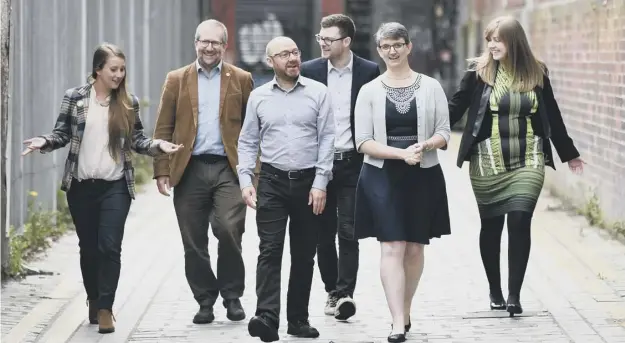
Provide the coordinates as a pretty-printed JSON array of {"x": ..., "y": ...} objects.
[{"x": 121, "y": 114}]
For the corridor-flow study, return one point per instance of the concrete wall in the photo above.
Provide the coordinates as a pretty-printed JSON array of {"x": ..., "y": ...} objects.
[{"x": 52, "y": 47}]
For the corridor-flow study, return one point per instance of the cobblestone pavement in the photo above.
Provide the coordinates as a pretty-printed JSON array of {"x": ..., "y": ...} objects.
[{"x": 574, "y": 289}]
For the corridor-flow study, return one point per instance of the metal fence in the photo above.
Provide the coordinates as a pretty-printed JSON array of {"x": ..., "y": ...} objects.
[{"x": 51, "y": 50}]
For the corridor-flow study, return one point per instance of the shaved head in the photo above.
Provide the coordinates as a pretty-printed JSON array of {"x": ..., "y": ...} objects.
[
  {"x": 284, "y": 57},
  {"x": 279, "y": 44}
]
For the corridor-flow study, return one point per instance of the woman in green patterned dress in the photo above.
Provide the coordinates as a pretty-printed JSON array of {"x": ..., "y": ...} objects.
[{"x": 512, "y": 120}]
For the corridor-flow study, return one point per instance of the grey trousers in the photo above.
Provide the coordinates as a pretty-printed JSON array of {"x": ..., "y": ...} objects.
[{"x": 209, "y": 193}]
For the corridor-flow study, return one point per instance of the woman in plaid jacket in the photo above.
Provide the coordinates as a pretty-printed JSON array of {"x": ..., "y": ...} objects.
[{"x": 100, "y": 120}]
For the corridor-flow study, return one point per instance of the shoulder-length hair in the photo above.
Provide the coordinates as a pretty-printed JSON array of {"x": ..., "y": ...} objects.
[{"x": 526, "y": 70}]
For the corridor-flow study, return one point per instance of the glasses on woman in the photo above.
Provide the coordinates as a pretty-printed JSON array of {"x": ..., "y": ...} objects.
[{"x": 396, "y": 46}]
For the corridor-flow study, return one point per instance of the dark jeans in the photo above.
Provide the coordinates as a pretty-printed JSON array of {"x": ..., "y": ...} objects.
[
  {"x": 339, "y": 273},
  {"x": 279, "y": 199},
  {"x": 99, "y": 209},
  {"x": 209, "y": 193}
]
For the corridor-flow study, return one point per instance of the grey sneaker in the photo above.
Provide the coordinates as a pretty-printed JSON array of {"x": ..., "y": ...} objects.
[
  {"x": 345, "y": 308},
  {"x": 331, "y": 304}
]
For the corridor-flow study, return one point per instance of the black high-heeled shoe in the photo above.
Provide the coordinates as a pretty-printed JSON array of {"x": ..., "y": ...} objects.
[
  {"x": 514, "y": 305},
  {"x": 408, "y": 326},
  {"x": 497, "y": 302}
]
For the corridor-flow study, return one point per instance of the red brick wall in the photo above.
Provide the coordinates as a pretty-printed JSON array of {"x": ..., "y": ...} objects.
[
  {"x": 583, "y": 44},
  {"x": 332, "y": 7}
]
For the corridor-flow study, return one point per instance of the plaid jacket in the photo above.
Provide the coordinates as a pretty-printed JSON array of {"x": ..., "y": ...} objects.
[{"x": 70, "y": 127}]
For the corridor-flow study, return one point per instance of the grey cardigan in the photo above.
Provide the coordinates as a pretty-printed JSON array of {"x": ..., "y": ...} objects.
[{"x": 432, "y": 112}]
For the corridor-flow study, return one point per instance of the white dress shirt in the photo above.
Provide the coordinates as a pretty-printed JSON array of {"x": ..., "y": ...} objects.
[{"x": 340, "y": 87}]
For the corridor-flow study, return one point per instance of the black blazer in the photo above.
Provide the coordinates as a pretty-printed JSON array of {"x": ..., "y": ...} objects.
[
  {"x": 474, "y": 94},
  {"x": 363, "y": 71}
]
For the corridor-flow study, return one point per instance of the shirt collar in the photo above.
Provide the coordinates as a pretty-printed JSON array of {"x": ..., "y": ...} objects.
[
  {"x": 217, "y": 67},
  {"x": 300, "y": 80},
  {"x": 349, "y": 65}
]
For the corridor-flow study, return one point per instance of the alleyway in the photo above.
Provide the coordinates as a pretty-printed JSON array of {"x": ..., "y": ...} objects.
[{"x": 574, "y": 290}]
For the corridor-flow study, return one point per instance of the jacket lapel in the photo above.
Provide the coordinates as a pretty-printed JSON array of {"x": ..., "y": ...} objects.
[
  {"x": 357, "y": 78},
  {"x": 225, "y": 82},
  {"x": 192, "y": 89},
  {"x": 82, "y": 108}
]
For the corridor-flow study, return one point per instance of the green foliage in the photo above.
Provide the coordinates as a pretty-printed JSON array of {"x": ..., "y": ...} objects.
[
  {"x": 40, "y": 229},
  {"x": 143, "y": 169}
]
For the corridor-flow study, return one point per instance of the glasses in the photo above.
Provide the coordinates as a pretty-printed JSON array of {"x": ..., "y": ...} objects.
[
  {"x": 396, "y": 46},
  {"x": 327, "y": 40},
  {"x": 205, "y": 43},
  {"x": 286, "y": 54}
]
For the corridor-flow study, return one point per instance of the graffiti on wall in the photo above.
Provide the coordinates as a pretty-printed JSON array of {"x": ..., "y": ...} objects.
[{"x": 253, "y": 38}]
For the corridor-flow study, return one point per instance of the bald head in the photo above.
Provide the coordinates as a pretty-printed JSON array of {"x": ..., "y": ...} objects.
[{"x": 280, "y": 44}]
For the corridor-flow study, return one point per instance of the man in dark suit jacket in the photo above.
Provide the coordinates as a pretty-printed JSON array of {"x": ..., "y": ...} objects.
[{"x": 344, "y": 73}]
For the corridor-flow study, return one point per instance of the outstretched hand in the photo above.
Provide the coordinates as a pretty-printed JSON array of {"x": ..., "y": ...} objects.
[
  {"x": 33, "y": 144},
  {"x": 169, "y": 148}
]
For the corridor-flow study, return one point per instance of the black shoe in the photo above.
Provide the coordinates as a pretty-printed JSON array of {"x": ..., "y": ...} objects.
[
  {"x": 497, "y": 302},
  {"x": 234, "y": 310},
  {"x": 398, "y": 337},
  {"x": 302, "y": 329},
  {"x": 204, "y": 316},
  {"x": 514, "y": 305},
  {"x": 261, "y": 328},
  {"x": 345, "y": 308}
]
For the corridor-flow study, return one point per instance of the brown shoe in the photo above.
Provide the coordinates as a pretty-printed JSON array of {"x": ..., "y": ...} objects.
[
  {"x": 93, "y": 311},
  {"x": 105, "y": 319}
]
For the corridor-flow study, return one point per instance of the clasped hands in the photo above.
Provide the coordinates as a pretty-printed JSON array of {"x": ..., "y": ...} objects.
[{"x": 413, "y": 154}]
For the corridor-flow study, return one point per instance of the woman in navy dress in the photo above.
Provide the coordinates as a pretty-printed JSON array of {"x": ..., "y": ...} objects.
[{"x": 402, "y": 119}]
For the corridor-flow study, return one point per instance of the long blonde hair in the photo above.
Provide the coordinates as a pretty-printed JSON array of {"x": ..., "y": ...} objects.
[
  {"x": 526, "y": 70},
  {"x": 121, "y": 113}
]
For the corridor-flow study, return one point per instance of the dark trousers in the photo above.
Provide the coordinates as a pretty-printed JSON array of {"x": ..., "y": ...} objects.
[
  {"x": 339, "y": 273},
  {"x": 99, "y": 210},
  {"x": 280, "y": 199},
  {"x": 209, "y": 193},
  {"x": 519, "y": 243}
]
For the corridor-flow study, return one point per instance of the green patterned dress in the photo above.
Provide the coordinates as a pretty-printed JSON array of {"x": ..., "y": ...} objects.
[{"x": 507, "y": 170}]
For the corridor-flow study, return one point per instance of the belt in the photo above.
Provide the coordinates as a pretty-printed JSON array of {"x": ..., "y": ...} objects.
[
  {"x": 209, "y": 158},
  {"x": 338, "y": 156},
  {"x": 288, "y": 174}
]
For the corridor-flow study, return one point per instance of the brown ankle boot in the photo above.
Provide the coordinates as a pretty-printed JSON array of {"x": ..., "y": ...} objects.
[
  {"x": 93, "y": 311},
  {"x": 105, "y": 320}
]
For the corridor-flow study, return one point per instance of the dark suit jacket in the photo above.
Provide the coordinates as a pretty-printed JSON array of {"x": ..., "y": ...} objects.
[
  {"x": 474, "y": 94},
  {"x": 363, "y": 72},
  {"x": 178, "y": 111}
]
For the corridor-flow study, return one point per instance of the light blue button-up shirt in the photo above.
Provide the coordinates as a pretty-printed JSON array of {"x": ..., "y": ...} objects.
[
  {"x": 293, "y": 128},
  {"x": 208, "y": 138}
]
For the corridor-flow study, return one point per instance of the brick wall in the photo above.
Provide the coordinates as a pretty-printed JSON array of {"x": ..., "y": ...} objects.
[{"x": 583, "y": 44}]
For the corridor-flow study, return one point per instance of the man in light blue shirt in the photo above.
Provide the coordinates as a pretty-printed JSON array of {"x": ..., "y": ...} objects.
[
  {"x": 202, "y": 107},
  {"x": 290, "y": 120}
]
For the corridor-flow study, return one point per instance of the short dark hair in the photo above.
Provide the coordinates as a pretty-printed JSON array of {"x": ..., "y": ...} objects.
[{"x": 345, "y": 24}]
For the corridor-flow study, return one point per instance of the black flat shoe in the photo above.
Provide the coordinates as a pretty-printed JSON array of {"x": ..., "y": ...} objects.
[
  {"x": 514, "y": 305},
  {"x": 497, "y": 302},
  {"x": 398, "y": 337}
]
